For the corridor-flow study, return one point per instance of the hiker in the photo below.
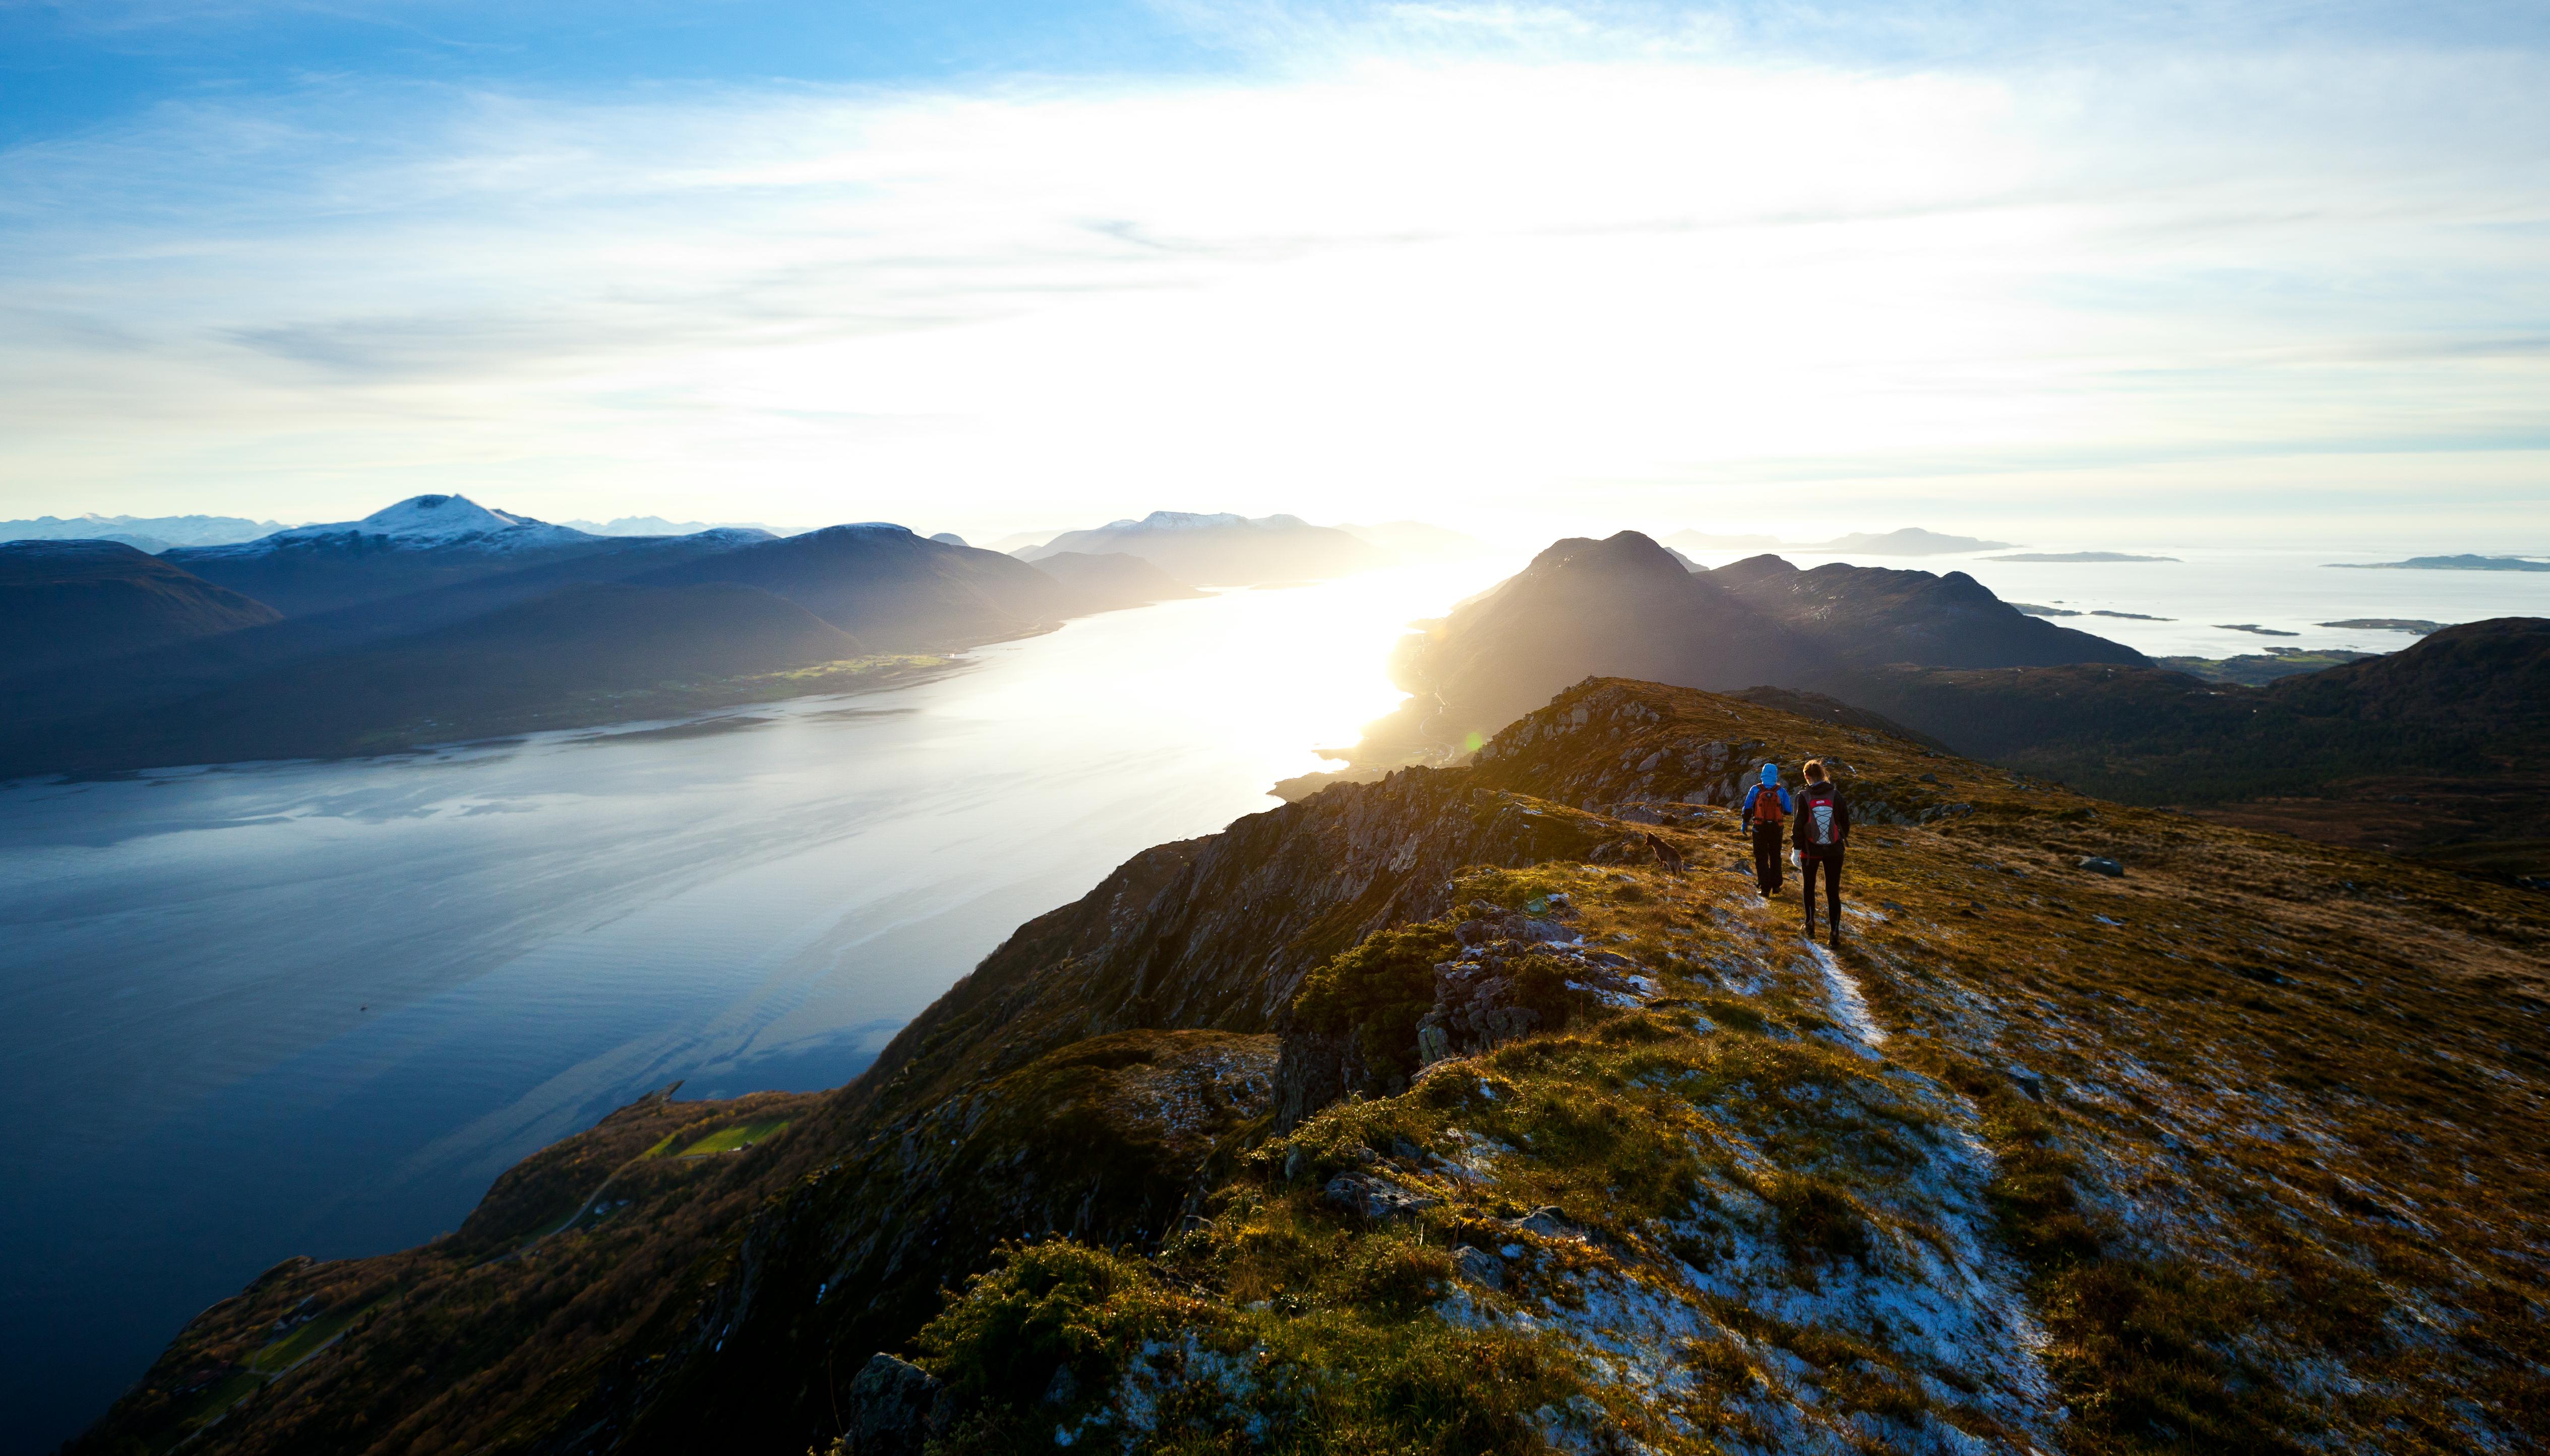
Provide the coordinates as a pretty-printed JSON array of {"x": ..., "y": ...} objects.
[
  {"x": 1823, "y": 823},
  {"x": 1764, "y": 806}
]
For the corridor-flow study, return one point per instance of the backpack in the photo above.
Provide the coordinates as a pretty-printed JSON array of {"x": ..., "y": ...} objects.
[
  {"x": 1820, "y": 814},
  {"x": 1766, "y": 805}
]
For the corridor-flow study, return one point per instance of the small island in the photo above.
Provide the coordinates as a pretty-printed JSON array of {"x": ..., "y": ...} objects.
[
  {"x": 2464, "y": 562},
  {"x": 2415, "y": 624}
]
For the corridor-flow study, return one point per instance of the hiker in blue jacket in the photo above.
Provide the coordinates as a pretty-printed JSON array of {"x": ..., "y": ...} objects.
[{"x": 1765, "y": 804}]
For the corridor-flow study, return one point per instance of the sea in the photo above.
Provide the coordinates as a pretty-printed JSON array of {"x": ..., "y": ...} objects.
[{"x": 315, "y": 1008}]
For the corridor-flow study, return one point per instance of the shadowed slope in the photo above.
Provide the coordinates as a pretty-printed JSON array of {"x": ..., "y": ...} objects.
[{"x": 84, "y": 602}]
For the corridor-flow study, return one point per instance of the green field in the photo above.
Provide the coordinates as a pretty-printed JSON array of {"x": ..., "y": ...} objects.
[{"x": 728, "y": 1139}]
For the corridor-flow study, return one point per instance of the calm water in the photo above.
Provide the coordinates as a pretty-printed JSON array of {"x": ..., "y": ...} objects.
[
  {"x": 2287, "y": 591},
  {"x": 316, "y": 1007}
]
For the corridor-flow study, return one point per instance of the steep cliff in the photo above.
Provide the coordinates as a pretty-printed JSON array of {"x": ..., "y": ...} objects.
[{"x": 1439, "y": 1114}]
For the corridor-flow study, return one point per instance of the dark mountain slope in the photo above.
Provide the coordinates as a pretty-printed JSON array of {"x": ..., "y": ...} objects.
[
  {"x": 2041, "y": 1160},
  {"x": 897, "y": 591},
  {"x": 594, "y": 652},
  {"x": 1872, "y": 614},
  {"x": 77, "y": 602},
  {"x": 1627, "y": 607},
  {"x": 2436, "y": 748}
]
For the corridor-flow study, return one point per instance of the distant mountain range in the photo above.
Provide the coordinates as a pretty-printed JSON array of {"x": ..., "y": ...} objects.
[
  {"x": 1224, "y": 549},
  {"x": 143, "y": 533},
  {"x": 438, "y": 619},
  {"x": 1911, "y": 541}
]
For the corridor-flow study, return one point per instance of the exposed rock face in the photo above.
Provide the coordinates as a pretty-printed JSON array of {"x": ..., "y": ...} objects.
[{"x": 2244, "y": 1144}]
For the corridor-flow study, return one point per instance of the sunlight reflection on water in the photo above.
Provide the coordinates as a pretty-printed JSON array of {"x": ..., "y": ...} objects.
[{"x": 313, "y": 1007}]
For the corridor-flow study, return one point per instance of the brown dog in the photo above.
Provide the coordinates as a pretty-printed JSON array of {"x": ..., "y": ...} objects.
[{"x": 1666, "y": 854}]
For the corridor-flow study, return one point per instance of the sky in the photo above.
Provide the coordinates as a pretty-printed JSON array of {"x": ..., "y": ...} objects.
[{"x": 2088, "y": 274}]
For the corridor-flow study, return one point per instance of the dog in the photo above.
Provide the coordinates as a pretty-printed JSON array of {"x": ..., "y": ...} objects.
[{"x": 1666, "y": 855}]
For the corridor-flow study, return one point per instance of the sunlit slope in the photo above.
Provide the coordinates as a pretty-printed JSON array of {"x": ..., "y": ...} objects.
[{"x": 1436, "y": 1115}]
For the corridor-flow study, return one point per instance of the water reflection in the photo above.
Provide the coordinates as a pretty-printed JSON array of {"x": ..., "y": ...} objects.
[{"x": 281, "y": 1008}]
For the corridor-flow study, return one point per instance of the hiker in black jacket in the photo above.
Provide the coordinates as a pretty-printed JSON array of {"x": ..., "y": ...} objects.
[{"x": 1823, "y": 823}]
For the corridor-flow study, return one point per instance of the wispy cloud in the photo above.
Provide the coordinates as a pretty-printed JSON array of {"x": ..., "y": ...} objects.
[{"x": 1615, "y": 262}]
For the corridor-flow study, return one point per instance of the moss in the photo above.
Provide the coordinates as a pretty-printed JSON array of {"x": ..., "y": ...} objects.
[{"x": 1376, "y": 992}]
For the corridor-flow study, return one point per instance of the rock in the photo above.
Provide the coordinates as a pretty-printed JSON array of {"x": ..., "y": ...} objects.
[
  {"x": 2027, "y": 1082},
  {"x": 891, "y": 1402},
  {"x": 1375, "y": 1198},
  {"x": 1545, "y": 1223},
  {"x": 1479, "y": 1267},
  {"x": 1433, "y": 1045},
  {"x": 2099, "y": 864}
]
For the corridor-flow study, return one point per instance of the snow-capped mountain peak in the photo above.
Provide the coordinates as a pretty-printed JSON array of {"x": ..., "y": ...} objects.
[
  {"x": 417, "y": 523},
  {"x": 436, "y": 516}
]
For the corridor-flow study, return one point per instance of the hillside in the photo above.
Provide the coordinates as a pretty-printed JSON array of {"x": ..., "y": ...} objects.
[
  {"x": 1224, "y": 549},
  {"x": 596, "y": 653},
  {"x": 73, "y": 601},
  {"x": 1627, "y": 607},
  {"x": 895, "y": 591},
  {"x": 1435, "y": 1115}
]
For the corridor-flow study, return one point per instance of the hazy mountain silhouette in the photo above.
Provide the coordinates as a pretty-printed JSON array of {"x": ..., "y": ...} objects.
[
  {"x": 897, "y": 591},
  {"x": 78, "y": 602},
  {"x": 1224, "y": 549},
  {"x": 1627, "y": 607},
  {"x": 1112, "y": 579}
]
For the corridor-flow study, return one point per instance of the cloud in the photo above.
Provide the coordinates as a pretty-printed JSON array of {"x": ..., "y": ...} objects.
[{"x": 1613, "y": 268}]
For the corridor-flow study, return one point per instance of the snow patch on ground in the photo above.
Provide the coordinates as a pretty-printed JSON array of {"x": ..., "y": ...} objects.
[{"x": 1848, "y": 1005}]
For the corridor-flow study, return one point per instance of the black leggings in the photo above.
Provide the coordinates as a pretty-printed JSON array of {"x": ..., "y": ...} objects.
[{"x": 1830, "y": 861}]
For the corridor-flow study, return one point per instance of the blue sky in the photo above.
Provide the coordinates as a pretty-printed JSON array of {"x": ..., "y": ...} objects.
[{"x": 2237, "y": 272}]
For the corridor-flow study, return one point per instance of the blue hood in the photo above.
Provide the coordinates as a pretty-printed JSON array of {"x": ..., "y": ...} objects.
[{"x": 1770, "y": 775}]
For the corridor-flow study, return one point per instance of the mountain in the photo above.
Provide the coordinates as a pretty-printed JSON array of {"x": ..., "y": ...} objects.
[
  {"x": 416, "y": 546},
  {"x": 1224, "y": 549},
  {"x": 658, "y": 526},
  {"x": 1435, "y": 1115},
  {"x": 591, "y": 652},
  {"x": 81, "y": 602},
  {"x": 897, "y": 591},
  {"x": 1112, "y": 580},
  {"x": 166, "y": 531},
  {"x": 1415, "y": 541},
  {"x": 1627, "y": 607},
  {"x": 2449, "y": 563}
]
